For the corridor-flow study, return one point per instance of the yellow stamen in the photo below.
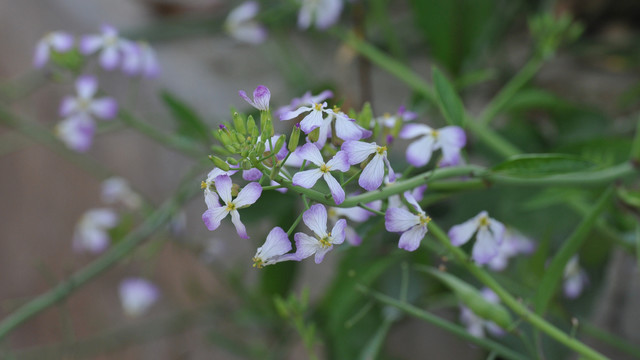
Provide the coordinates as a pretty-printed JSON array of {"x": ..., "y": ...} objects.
[
  {"x": 435, "y": 134},
  {"x": 318, "y": 107},
  {"x": 258, "y": 262},
  {"x": 381, "y": 150},
  {"x": 424, "y": 220},
  {"x": 336, "y": 109},
  {"x": 484, "y": 221},
  {"x": 324, "y": 168},
  {"x": 231, "y": 206},
  {"x": 203, "y": 185},
  {"x": 386, "y": 115},
  {"x": 326, "y": 241}
]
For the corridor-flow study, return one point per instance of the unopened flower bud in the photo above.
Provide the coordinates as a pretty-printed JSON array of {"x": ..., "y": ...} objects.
[
  {"x": 224, "y": 137},
  {"x": 279, "y": 144},
  {"x": 239, "y": 137},
  {"x": 235, "y": 189},
  {"x": 238, "y": 124},
  {"x": 246, "y": 164},
  {"x": 251, "y": 125},
  {"x": 294, "y": 138},
  {"x": 260, "y": 148},
  {"x": 219, "y": 163},
  {"x": 232, "y": 161}
]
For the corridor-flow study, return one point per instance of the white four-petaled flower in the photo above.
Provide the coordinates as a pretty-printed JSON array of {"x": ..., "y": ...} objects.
[
  {"x": 110, "y": 45},
  {"x": 323, "y": 13},
  {"x": 91, "y": 232},
  {"x": 450, "y": 139},
  {"x": 139, "y": 59},
  {"x": 240, "y": 24},
  {"x": 513, "y": 244},
  {"x": 85, "y": 103},
  {"x": 308, "y": 178},
  {"x": 216, "y": 212},
  {"x": 373, "y": 174},
  {"x": 316, "y": 219},
  {"x": 575, "y": 279},
  {"x": 490, "y": 235},
  {"x": 59, "y": 41},
  {"x": 274, "y": 249},
  {"x": 116, "y": 189},
  {"x": 137, "y": 295},
  {"x": 412, "y": 226},
  {"x": 261, "y": 97}
]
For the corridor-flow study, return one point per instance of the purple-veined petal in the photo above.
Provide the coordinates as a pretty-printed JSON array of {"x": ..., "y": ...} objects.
[
  {"x": 212, "y": 217},
  {"x": 293, "y": 114},
  {"x": 410, "y": 239},
  {"x": 338, "y": 232},
  {"x": 413, "y": 130},
  {"x": 497, "y": 229},
  {"x": 252, "y": 174},
  {"x": 86, "y": 86},
  {"x": 104, "y": 108},
  {"x": 61, "y": 41},
  {"x": 223, "y": 186},
  {"x": 460, "y": 234},
  {"x": 411, "y": 200},
  {"x": 452, "y": 136},
  {"x": 399, "y": 219},
  {"x": 320, "y": 254},
  {"x": 358, "y": 151},
  {"x": 373, "y": 173},
  {"x": 90, "y": 44},
  {"x": 248, "y": 195},
  {"x": 339, "y": 162},
  {"x": 305, "y": 245},
  {"x": 277, "y": 244},
  {"x": 68, "y": 106},
  {"x": 306, "y": 179},
  {"x": 109, "y": 58},
  {"x": 419, "y": 151},
  {"x": 211, "y": 199},
  {"x": 261, "y": 96},
  {"x": 311, "y": 153},
  {"x": 41, "y": 55},
  {"x": 313, "y": 120},
  {"x": 390, "y": 173},
  {"x": 346, "y": 129},
  {"x": 316, "y": 219},
  {"x": 418, "y": 193},
  {"x": 324, "y": 133},
  {"x": 334, "y": 186},
  {"x": 485, "y": 247},
  {"x": 235, "y": 219}
]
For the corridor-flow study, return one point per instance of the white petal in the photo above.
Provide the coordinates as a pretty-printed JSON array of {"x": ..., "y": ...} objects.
[
  {"x": 137, "y": 295},
  {"x": 338, "y": 232},
  {"x": 212, "y": 217},
  {"x": 419, "y": 151},
  {"x": 328, "y": 13},
  {"x": 305, "y": 245},
  {"x": 235, "y": 219},
  {"x": 452, "y": 136},
  {"x": 86, "y": 86},
  {"x": 497, "y": 229},
  {"x": 246, "y": 11},
  {"x": 339, "y": 162},
  {"x": 373, "y": 173},
  {"x": 313, "y": 120},
  {"x": 109, "y": 58},
  {"x": 104, "y": 108},
  {"x": 485, "y": 248},
  {"x": 399, "y": 219},
  {"x": 410, "y": 240},
  {"x": 61, "y": 41},
  {"x": 347, "y": 129},
  {"x": 41, "y": 55},
  {"x": 294, "y": 114},
  {"x": 211, "y": 199},
  {"x": 411, "y": 200},
  {"x": 311, "y": 153},
  {"x": 223, "y": 186},
  {"x": 307, "y": 179},
  {"x": 102, "y": 218},
  {"x": 316, "y": 219},
  {"x": 460, "y": 234},
  {"x": 248, "y": 195},
  {"x": 412, "y": 130},
  {"x": 90, "y": 43},
  {"x": 321, "y": 252},
  {"x": 358, "y": 151},
  {"x": 277, "y": 244},
  {"x": 334, "y": 186}
]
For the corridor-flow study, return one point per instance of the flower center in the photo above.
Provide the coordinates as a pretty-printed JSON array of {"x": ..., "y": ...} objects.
[
  {"x": 326, "y": 241},
  {"x": 484, "y": 221},
  {"x": 336, "y": 109},
  {"x": 83, "y": 104},
  {"x": 386, "y": 115},
  {"x": 258, "y": 262},
  {"x": 317, "y": 107},
  {"x": 324, "y": 168},
  {"x": 435, "y": 134},
  {"x": 424, "y": 220},
  {"x": 231, "y": 206},
  {"x": 203, "y": 185},
  {"x": 381, "y": 150}
]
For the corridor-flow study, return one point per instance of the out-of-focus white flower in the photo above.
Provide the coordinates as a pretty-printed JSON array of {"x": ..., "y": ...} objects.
[
  {"x": 575, "y": 278},
  {"x": 108, "y": 43},
  {"x": 139, "y": 59},
  {"x": 137, "y": 295},
  {"x": 85, "y": 103},
  {"x": 513, "y": 244},
  {"x": 117, "y": 189},
  {"x": 323, "y": 13},
  {"x": 450, "y": 139},
  {"x": 412, "y": 226},
  {"x": 240, "y": 24},
  {"x": 59, "y": 41},
  {"x": 490, "y": 235},
  {"x": 76, "y": 132},
  {"x": 91, "y": 231}
]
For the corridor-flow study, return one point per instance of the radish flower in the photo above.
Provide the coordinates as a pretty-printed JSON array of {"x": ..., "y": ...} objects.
[
  {"x": 412, "y": 226},
  {"x": 373, "y": 174},
  {"x": 274, "y": 249},
  {"x": 490, "y": 235},
  {"x": 137, "y": 295},
  {"x": 450, "y": 139},
  {"x": 308, "y": 178},
  {"x": 59, "y": 41},
  {"x": 316, "y": 219}
]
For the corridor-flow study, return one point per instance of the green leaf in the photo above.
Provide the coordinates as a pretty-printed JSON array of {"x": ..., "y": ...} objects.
[
  {"x": 448, "y": 100},
  {"x": 472, "y": 298},
  {"x": 531, "y": 165},
  {"x": 629, "y": 197},
  {"x": 189, "y": 123},
  {"x": 527, "y": 99}
]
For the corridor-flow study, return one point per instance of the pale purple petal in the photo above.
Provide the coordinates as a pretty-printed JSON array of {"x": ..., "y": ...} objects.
[
  {"x": 68, "y": 106},
  {"x": 212, "y": 217},
  {"x": 413, "y": 130},
  {"x": 418, "y": 193},
  {"x": 304, "y": 16},
  {"x": 322, "y": 251},
  {"x": 450, "y": 157},
  {"x": 109, "y": 58},
  {"x": 358, "y": 151},
  {"x": 102, "y": 218},
  {"x": 223, "y": 186},
  {"x": 41, "y": 54},
  {"x": 306, "y": 179},
  {"x": 313, "y": 120},
  {"x": 346, "y": 129},
  {"x": 399, "y": 220},
  {"x": 419, "y": 151},
  {"x": 90, "y": 239},
  {"x": 338, "y": 232},
  {"x": 485, "y": 248},
  {"x": 334, "y": 186},
  {"x": 104, "y": 108},
  {"x": 305, "y": 245},
  {"x": 235, "y": 219},
  {"x": 410, "y": 240},
  {"x": 316, "y": 219},
  {"x": 352, "y": 236},
  {"x": 211, "y": 199},
  {"x": 76, "y": 132},
  {"x": 573, "y": 285},
  {"x": 248, "y": 195},
  {"x": 411, "y": 200},
  {"x": 311, "y": 153},
  {"x": 246, "y": 11},
  {"x": 373, "y": 173},
  {"x": 252, "y": 174},
  {"x": 90, "y": 44},
  {"x": 324, "y": 133},
  {"x": 137, "y": 295},
  {"x": 261, "y": 96},
  {"x": 390, "y": 173},
  {"x": 86, "y": 86},
  {"x": 452, "y": 136},
  {"x": 327, "y": 13},
  {"x": 291, "y": 114},
  {"x": 340, "y": 162},
  {"x": 357, "y": 214},
  {"x": 497, "y": 229},
  {"x": 460, "y": 234},
  {"x": 61, "y": 41},
  {"x": 277, "y": 244}
]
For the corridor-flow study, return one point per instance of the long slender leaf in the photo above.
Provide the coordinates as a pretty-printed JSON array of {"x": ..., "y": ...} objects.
[{"x": 448, "y": 100}]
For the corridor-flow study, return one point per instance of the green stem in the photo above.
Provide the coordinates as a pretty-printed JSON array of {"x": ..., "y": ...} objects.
[
  {"x": 442, "y": 323},
  {"x": 635, "y": 147},
  {"x": 516, "y": 83},
  {"x": 515, "y": 305},
  {"x": 377, "y": 212},
  {"x": 295, "y": 224},
  {"x": 351, "y": 178},
  {"x": 103, "y": 263}
]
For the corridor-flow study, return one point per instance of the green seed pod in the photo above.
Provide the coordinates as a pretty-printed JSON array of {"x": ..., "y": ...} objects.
[
  {"x": 366, "y": 114},
  {"x": 314, "y": 135},
  {"x": 239, "y": 138},
  {"x": 232, "y": 161},
  {"x": 294, "y": 138},
  {"x": 279, "y": 144},
  {"x": 246, "y": 164},
  {"x": 224, "y": 137},
  {"x": 251, "y": 125},
  {"x": 238, "y": 124},
  {"x": 219, "y": 150},
  {"x": 219, "y": 163}
]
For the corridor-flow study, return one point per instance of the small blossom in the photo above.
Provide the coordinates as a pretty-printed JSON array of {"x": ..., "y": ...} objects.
[
  {"x": 137, "y": 295},
  {"x": 490, "y": 235},
  {"x": 389, "y": 121},
  {"x": 240, "y": 24},
  {"x": 117, "y": 189},
  {"x": 76, "y": 132},
  {"x": 261, "y": 97},
  {"x": 91, "y": 232},
  {"x": 274, "y": 249},
  {"x": 323, "y": 13},
  {"x": 139, "y": 59},
  {"x": 575, "y": 279},
  {"x": 215, "y": 212},
  {"x": 450, "y": 139},
  {"x": 84, "y": 102},
  {"x": 306, "y": 99},
  {"x": 412, "y": 226},
  {"x": 110, "y": 45},
  {"x": 513, "y": 244},
  {"x": 316, "y": 219},
  {"x": 308, "y": 178},
  {"x": 373, "y": 174},
  {"x": 59, "y": 41},
  {"x": 475, "y": 324},
  {"x": 314, "y": 119}
]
